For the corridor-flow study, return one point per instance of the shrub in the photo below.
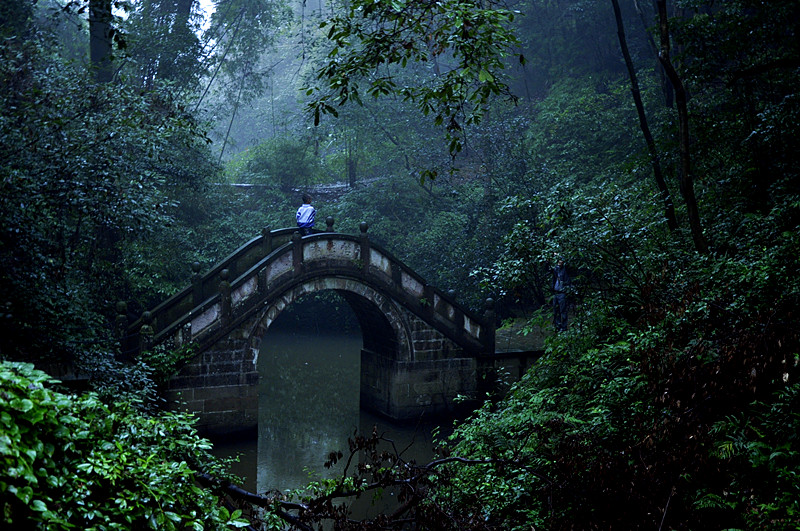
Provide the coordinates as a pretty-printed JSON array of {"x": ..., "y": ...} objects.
[{"x": 72, "y": 462}]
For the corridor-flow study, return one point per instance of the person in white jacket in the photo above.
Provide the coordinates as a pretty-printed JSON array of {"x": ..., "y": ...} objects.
[{"x": 305, "y": 216}]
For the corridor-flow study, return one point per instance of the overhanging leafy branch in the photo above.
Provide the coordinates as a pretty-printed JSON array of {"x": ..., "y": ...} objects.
[
  {"x": 377, "y": 470},
  {"x": 472, "y": 36}
]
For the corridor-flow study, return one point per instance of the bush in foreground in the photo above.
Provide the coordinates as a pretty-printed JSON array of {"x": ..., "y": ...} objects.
[{"x": 72, "y": 462}]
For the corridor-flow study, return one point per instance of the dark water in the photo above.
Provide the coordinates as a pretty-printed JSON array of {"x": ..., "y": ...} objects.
[{"x": 309, "y": 406}]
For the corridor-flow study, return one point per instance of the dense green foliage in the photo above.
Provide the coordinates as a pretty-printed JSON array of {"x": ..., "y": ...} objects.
[
  {"x": 472, "y": 38},
  {"x": 72, "y": 462},
  {"x": 661, "y": 375},
  {"x": 672, "y": 402},
  {"x": 87, "y": 172},
  {"x": 104, "y": 192}
]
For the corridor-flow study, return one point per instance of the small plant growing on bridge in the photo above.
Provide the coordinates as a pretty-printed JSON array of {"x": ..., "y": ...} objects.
[{"x": 166, "y": 360}]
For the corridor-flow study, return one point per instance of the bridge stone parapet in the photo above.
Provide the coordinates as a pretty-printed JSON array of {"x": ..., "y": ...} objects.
[
  {"x": 419, "y": 345},
  {"x": 430, "y": 344}
]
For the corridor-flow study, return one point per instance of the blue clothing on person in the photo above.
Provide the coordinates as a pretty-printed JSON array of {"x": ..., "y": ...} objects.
[{"x": 305, "y": 217}]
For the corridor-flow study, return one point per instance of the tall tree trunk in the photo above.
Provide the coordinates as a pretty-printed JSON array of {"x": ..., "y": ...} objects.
[
  {"x": 669, "y": 208},
  {"x": 686, "y": 182},
  {"x": 666, "y": 86},
  {"x": 233, "y": 117},
  {"x": 100, "y": 40},
  {"x": 184, "y": 9},
  {"x": 105, "y": 247},
  {"x": 178, "y": 28}
]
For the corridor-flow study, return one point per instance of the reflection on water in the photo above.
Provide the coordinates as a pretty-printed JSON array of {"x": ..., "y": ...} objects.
[{"x": 308, "y": 407}]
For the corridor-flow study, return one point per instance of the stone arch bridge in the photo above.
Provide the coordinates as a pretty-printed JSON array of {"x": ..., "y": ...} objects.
[{"x": 420, "y": 347}]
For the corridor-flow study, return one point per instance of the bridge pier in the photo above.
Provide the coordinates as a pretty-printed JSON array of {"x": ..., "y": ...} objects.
[
  {"x": 220, "y": 386},
  {"x": 404, "y": 390}
]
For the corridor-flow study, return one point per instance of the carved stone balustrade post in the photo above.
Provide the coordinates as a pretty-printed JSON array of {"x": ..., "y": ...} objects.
[
  {"x": 490, "y": 317},
  {"x": 197, "y": 285},
  {"x": 266, "y": 240},
  {"x": 121, "y": 321},
  {"x": 297, "y": 254},
  {"x": 225, "y": 295},
  {"x": 146, "y": 332},
  {"x": 363, "y": 226}
]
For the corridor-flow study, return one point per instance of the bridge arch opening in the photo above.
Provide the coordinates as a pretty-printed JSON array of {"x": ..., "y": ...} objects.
[
  {"x": 310, "y": 377},
  {"x": 384, "y": 329},
  {"x": 314, "y": 339}
]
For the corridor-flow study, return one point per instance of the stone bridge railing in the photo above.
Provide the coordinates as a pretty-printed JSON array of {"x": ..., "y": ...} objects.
[{"x": 265, "y": 266}]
